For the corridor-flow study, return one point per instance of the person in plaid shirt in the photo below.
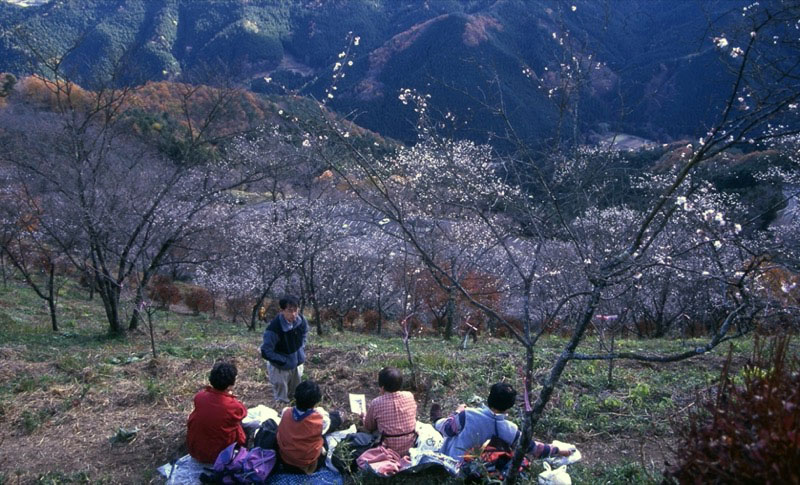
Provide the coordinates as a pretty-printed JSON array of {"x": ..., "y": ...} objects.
[{"x": 393, "y": 413}]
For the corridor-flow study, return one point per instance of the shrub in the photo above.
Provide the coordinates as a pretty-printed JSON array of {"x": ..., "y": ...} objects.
[
  {"x": 31, "y": 420},
  {"x": 501, "y": 331},
  {"x": 749, "y": 430},
  {"x": 350, "y": 318},
  {"x": 198, "y": 300},
  {"x": 7, "y": 83},
  {"x": 238, "y": 307},
  {"x": 371, "y": 319},
  {"x": 154, "y": 389},
  {"x": 330, "y": 314},
  {"x": 163, "y": 293}
]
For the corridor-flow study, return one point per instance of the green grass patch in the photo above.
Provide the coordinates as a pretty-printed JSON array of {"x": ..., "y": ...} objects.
[
  {"x": 59, "y": 478},
  {"x": 617, "y": 474},
  {"x": 25, "y": 383},
  {"x": 639, "y": 401},
  {"x": 155, "y": 389}
]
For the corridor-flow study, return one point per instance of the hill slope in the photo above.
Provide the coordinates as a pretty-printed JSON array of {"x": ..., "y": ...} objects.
[{"x": 645, "y": 67}]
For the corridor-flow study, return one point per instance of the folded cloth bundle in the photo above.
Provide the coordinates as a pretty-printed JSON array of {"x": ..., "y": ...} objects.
[{"x": 557, "y": 461}]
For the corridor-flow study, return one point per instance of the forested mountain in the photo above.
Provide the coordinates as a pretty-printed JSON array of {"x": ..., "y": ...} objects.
[{"x": 647, "y": 67}]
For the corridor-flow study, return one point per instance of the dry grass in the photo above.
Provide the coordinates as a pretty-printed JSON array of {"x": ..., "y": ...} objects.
[{"x": 63, "y": 396}]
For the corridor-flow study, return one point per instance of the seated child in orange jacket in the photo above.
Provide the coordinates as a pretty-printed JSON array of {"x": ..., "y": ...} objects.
[
  {"x": 216, "y": 421},
  {"x": 300, "y": 433}
]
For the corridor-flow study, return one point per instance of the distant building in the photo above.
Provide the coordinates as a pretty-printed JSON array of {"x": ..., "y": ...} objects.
[{"x": 26, "y": 3}]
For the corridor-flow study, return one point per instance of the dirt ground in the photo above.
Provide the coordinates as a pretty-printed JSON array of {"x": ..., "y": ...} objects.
[{"x": 77, "y": 420}]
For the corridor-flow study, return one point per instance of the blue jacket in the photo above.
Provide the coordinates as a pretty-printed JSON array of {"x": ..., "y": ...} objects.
[
  {"x": 471, "y": 428},
  {"x": 284, "y": 343}
]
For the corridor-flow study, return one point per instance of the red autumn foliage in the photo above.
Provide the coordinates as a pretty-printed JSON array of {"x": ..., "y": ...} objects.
[
  {"x": 163, "y": 292},
  {"x": 198, "y": 300},
  {"x": 501, "y": 331},
  {"x": 370, "y": 318},
  {"x": 483, "y": 288},
  {"x": 781, "y": 288},
  {"x": 749, "y": 430},
  {"x": 49, "y": 94},
  {"x": 237, "y": 109}
]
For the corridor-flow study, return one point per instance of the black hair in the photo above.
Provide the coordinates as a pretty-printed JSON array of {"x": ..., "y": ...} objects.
[
  {"x": 288, "y": 300},
  {"x": 307, "y": 395},
  {"x": 501, "y": 397},
  {"x": 223, "y": 375},
  {"x": 390, "y": 379}
]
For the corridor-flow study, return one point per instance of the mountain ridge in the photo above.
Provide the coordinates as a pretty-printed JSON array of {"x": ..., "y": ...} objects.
[{"x": 640, "y": 60}]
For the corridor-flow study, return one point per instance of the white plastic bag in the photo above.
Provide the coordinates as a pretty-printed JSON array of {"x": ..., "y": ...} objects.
[
  {"x": 259, "y": 414},
  {"x": 554, "y": 476},
  {"x": 564, "y": 460},
  {"x": 428, "y": 439}
]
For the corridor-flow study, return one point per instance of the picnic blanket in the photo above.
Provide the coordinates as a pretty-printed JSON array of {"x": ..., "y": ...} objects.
[
  {"x": 187, "y": 471},
  {"x": 322, "y": 477},
  {"x": 422, "y": 456}
]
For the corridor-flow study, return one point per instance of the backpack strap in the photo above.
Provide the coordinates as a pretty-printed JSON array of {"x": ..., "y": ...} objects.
[{"x": 497, "y": 441}]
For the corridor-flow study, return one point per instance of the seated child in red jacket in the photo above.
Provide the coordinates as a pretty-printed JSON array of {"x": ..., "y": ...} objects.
[
  {"x": 216, "y": 421},
  {"x": 300, "y": 433}
]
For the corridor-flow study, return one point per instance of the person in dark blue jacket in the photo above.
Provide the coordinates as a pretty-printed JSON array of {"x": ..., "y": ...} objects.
[{"x": 284, "y": 348}]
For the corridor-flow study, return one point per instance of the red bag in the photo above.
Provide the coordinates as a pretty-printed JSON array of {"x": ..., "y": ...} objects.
[{"x": 492, "y": 460}]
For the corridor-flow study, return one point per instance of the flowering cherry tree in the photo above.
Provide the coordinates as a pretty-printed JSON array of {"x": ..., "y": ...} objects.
[
  {"x": 558, "y": 236},
  {"x": 126, "y": 205}
]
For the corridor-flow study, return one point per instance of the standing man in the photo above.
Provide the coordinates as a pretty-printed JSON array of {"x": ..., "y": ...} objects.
[{"x": 284, "y": 348}]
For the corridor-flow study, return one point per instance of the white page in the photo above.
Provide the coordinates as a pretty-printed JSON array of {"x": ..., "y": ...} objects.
[{"x": 358, "y": 403}]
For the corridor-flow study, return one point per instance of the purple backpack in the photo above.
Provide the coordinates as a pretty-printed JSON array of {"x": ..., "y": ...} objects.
[{"x": 236, "y": 464}]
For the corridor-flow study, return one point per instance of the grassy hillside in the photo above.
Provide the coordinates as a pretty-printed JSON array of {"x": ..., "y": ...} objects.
[{"x": 64, "y": 396}]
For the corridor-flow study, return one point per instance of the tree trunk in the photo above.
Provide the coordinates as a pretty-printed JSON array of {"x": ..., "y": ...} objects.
[
  {"x": 532, "y": 417},
  {"x": 3, "y": 268},
  {"x": 611, "y": 364},
  {"x": 48, "y": 293},
  {"x": 380, "y": 309},
  {"x": 152, "y": 333},
  {"x": 256, "y": 307},
  {"x": 450, "y": 313},
  {"x": 661, "y": 305},
  {"x": 317, "y": 317},
  {"x": 312, "y": 296},
  {"x": 137, "y": 302},
  {"x": 109, "y": 294},
  {"x": 527, "y": 419},
  {"x": 51, "y": 299}
]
